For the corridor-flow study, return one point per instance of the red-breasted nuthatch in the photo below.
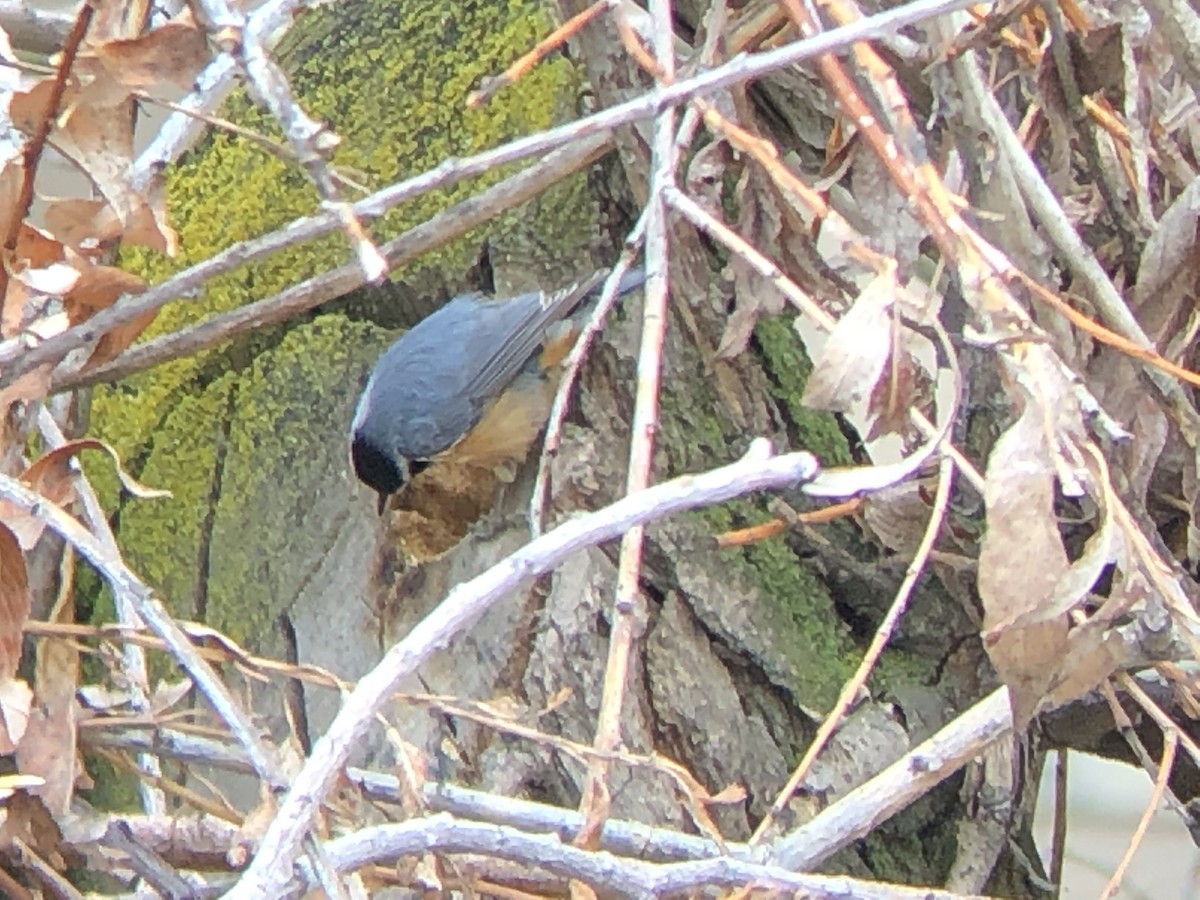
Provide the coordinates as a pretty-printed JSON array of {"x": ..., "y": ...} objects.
[{"x": 473, "y": 381}]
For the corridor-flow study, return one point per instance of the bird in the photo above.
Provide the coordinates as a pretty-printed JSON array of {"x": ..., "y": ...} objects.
[{"x": 472, "y": 381}]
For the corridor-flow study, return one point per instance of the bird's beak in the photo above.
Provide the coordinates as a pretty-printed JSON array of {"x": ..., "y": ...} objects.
[{"x": 383, "y": 502}]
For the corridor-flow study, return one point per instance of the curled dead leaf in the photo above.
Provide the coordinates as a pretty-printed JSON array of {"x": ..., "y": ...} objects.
[
  {"x": 850, "y": 365},
  {"x": 51, "y": 468},
  {"x": 1026, "y": 582},
  {"x": 15, "y": 602},
  {"x": 1160, "y": 295},
  {"x": 1021, "y": 562},
  {"x": 51, "y": 475},
  {"x": 49, "y": 747},
  {"x": 95, "y": 131},
  {"x": 80, "y": 223},
  {"x": 30, "y": 386}
]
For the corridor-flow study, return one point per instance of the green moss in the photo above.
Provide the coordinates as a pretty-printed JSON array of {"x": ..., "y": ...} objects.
[
  {"x": 902, "y": 668},
  {"x": 294, "y": 398},
  {"x": 113, "y": 789},
  {"x": 789, "y": 366},
  {"x": 794, "y": 607},
  {"x": 164, "y": 538},
  {"x": 800, "y": 605}
]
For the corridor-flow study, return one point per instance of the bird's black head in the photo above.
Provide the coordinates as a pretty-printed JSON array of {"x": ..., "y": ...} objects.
[{"x": 382, "y": 471}]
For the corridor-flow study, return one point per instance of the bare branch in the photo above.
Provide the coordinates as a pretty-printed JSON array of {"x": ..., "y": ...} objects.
[
  {"x": 272, "y": 863},
  {"x": 626, "y": 877},
  {"x": 432, "y": 233},
  {"x": 859, "y": 812}
]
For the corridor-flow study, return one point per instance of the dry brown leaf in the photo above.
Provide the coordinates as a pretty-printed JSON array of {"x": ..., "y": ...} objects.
[
  {"x": 884, "y": 213},
  {"x": 49, "y": 747},
  {"x": 1093, "y": 654},
  {"x": 15, "y": 602},
  {"x": 29, "y": 821},
  {"x": 51, "y": 475},
  {"x": 1021, "y": 562},
  {"x": 37, "y": 268},
  {"x": 856, "y": 354},
  {"x": 1103, "y": 547},
  {"x": 16, "y": 308},
  {"x": 48, "y": 474},
  {"x": 12, "y": 174},
  {"x": 173, "y": 53},
  {"x": 114, "y": 19},
  {"x": 905, "y": 386},
  {"x": 97, "y": 288},
  {"x": 53, "y": 280},
  {"x": 79, "y": 223},
  {"x": 36, "y": 249},
  {"x": 1027, "y": 659},
  {"x": 896, "y": 516},
  {"x": 117, "y": 340},
  {"x": 95, "y": 131},
  {"x": 1166, "y": 273},
  {"x": 30, "y": 386}
]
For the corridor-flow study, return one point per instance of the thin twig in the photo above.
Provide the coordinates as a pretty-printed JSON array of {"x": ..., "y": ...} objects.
[
  {"x": 617, "y": 875},
  {"x": 1141, "y": 754},
  {"x": 312, "y": 141},
  {"x": 595, "y": 799},
  {"x": 494, "y": 84},
  {"x": 1170, "y": 745},
  {"x": 1058, "y": 837},
  {"x": 571, "y": 368},
  {"x": 267, "y": 144},
  {"x": 710, "y": 224},
  {"x": 741, "y": 536},
  {"x": 1158, "y": 714},
  {"x": 36, "y": 144},
  {"x": 270, "y": 22},
  {"x": 133, "y": 659},
  {"x": 1070, "y": 246},
  {"x": 916, "y": 773},
  {"x": 624, "y": 838}
]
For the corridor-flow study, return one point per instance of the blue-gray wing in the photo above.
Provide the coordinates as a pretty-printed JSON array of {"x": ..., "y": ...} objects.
[{"x": 525, "y": 321}]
